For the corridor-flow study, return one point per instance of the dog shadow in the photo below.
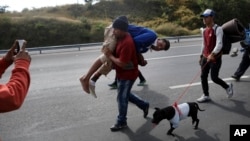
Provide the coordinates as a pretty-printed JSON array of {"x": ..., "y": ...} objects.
[
  {"x": 200, "y": 135},
  {"x": 141, "y": 134}
]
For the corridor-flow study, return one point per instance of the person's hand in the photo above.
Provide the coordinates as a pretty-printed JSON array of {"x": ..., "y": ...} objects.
[
  {"x": 143, "y": 62},
  {"x": 9, "y": 57},
  {"x": 200, "y": 60},
  {"x": 23, "y": 53},
  {"x": 211, "y": 58},
  {"x": 107, "y": 52}
]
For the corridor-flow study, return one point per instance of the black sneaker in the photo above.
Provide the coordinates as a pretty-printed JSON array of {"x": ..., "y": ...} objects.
[
  {"x": 237, "y": 78},
  {"x": 118, "y": 127},
  {"x": 142, "y": 83},
  {"x": 113, "y": 85},
  {"x": 145, "y": 111}
]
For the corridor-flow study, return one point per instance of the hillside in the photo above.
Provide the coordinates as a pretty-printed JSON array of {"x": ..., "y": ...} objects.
[{"x": 73, "y": 24}]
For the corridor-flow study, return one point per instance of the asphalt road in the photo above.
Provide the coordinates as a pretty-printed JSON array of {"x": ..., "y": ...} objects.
[{"x": 56, "y": 108}]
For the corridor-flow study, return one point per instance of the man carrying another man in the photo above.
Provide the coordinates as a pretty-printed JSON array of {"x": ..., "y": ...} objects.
[{"x": 144, "y": 39}]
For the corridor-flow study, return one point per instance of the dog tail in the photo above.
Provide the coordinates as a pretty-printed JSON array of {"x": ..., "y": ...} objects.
[{"x": 197, "y": 106}]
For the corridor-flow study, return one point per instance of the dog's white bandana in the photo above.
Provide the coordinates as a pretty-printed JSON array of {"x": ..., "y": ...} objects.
[{"x": 184, "y": 110}]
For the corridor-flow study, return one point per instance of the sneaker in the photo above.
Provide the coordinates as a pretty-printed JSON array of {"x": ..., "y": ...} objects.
[
  {"x": 142, "y": 83},
  {"x": 118, "y": 127},
  {"x": 230, "y": 91},
  {"x": 113, "y": 85},
  {"x": 237, "y": 78},
  {"x": 203, "y": 98},
  {"x": 92, "y": 88},
  {"x": 234, "y": 52},
  {"x": 145, "y": 111}
]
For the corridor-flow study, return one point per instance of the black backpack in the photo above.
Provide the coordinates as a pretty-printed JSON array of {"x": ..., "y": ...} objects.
[{"x": 233, "y": 31}]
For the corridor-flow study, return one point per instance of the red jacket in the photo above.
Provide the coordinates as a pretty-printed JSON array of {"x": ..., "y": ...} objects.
[{"x": 13, "y": 93}]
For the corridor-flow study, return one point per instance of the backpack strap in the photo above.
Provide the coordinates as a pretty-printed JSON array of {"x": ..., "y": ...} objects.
[{"x": 215, "y": 29}]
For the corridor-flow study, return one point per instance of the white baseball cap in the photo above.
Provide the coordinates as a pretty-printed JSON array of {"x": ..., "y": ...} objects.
[{"x": 208, "y": 12}]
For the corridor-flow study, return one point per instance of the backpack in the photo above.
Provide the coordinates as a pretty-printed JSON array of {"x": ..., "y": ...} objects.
[{"x": 233, "y": 31}]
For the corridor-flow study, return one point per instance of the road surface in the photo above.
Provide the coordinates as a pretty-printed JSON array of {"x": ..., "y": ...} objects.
[{"x": 56, "y": 108}]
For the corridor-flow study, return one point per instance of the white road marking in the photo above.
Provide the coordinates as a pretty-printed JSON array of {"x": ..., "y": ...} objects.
[
  {"x": 176, "y": 56},
  {"x": 199, "y": 83}
]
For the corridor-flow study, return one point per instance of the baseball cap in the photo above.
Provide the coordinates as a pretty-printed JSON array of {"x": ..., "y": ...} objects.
[{"x": 208, "y": 12}]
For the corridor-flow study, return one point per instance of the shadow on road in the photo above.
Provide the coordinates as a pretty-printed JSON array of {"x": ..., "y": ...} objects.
[
  {"x": 201, "y": 135},
  {"x": 239, "y": 107},
  {"x": 142, "y": 134}
]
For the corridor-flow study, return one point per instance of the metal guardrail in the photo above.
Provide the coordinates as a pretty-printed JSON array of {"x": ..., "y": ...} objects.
[
  {"x": 79, "y": 46},
  {"x": 41, "y": 49}
]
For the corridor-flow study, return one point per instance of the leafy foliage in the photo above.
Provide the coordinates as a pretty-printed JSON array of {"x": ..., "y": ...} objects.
[
  {"x": 44, "y": 32},
  {"x": 77, "y": 23}
]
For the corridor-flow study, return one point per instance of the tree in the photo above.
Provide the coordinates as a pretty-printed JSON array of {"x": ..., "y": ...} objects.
[
  {"x": 3, "y": 8},
  {"x": 92, "y": 1},
  {"x": 231, "y": 9}
]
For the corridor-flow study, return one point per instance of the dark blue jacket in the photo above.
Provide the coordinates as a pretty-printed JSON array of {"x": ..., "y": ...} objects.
[{"x": 143, "y": 37}]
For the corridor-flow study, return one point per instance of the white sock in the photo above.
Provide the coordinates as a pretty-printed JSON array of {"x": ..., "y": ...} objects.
[{"x": 91, "y": 82}]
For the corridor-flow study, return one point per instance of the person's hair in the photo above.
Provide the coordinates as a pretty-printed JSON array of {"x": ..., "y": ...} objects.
[{"x": 167, "y": 43}]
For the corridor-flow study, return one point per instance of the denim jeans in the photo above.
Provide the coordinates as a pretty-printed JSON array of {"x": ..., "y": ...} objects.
[
  {"x": 244, "y": 64},
  {"x": 124, "y": 96}
]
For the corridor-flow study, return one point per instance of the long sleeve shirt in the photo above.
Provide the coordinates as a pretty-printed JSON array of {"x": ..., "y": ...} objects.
[
  {"x": 13, "y": 93},
  {"x": 143, "y": 37}
]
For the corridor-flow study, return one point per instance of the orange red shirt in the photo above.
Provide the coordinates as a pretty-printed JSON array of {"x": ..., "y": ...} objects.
[{"x": 13, "y": 93}]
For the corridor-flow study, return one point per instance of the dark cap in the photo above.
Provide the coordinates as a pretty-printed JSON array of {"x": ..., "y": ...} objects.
[{"x": 121, "y": 23}]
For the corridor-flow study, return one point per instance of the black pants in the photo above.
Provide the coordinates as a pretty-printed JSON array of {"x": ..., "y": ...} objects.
[
  {"x": 141, "y": 77},
  {"x": 214, "y": 67},
  {"x": 244, "y": 64}
]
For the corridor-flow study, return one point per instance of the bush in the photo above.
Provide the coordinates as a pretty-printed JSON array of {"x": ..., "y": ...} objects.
[{"x": 45, "y": 32}]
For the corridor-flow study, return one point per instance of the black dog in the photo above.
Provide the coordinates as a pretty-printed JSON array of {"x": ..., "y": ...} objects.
[{"x": 176, "y": 113}]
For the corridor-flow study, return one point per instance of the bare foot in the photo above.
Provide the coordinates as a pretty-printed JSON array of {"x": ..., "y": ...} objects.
[{"x": 85, "y": 83}]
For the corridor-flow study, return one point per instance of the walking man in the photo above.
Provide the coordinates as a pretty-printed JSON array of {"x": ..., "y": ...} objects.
[
  {"x": 211, "y": 56},
  {"x": 126, "y": 66}
]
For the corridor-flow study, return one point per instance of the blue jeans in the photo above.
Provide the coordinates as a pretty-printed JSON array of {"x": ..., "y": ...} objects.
[
  {"x": 244, "y": 64},
  {"x": 124, "y": 96}
]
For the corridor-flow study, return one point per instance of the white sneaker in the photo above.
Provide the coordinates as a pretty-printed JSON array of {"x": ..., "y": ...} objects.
[
  {"x": 203, "y": 98},
  {"x": 92, "y": 88},
  {"x": 230, "y": 91}
]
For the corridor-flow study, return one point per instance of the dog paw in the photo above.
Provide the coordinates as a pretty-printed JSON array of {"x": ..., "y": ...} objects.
[{"x": 195, "y": 128}]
